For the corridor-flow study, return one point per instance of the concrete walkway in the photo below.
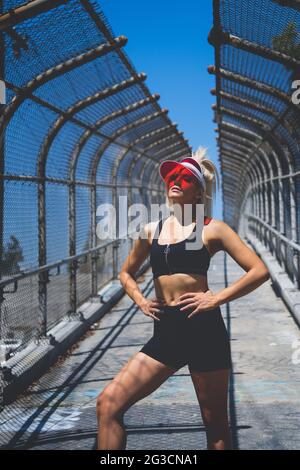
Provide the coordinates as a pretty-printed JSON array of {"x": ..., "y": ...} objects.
[{"x": 58, "y": 411}]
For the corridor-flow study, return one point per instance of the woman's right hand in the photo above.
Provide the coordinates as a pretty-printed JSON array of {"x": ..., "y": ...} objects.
[{"x": 152, "y": 306}]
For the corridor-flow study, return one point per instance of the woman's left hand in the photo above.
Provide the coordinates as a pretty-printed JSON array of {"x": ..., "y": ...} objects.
[{"x": 200, "y": 300}]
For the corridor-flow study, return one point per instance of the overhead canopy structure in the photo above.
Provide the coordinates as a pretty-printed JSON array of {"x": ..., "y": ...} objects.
[
  {"x": 79, "y": 128},
  {"x": 257, "y": 65}
]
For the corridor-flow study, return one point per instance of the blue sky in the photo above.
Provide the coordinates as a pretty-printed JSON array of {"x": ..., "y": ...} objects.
[{"x": 167, "y": 39}]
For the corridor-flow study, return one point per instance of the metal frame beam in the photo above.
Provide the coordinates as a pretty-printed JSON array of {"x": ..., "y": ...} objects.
[
  {"x": 101, "y": 122},
  {"x": 27, "y": 91},
  {"x": 256, "y": 85},
  {"x": 27, "y": 11},
  {"x": 295, "y": 4},
  {"x": 218, "y": 37},
  {"x": 280, "y": 163}
]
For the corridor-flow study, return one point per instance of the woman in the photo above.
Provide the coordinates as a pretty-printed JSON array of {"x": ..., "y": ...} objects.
[{"x": 188, "y": 325}]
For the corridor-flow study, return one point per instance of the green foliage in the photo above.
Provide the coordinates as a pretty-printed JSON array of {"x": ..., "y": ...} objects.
[
  {"x": 12, "y": 255},
  {"x": 288, "y": 42}
]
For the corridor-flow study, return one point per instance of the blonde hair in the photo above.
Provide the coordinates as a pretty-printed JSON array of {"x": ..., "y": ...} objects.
[{"x": 211, "y": 176}]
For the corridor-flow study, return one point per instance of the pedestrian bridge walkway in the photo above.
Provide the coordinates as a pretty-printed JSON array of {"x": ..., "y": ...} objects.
[{"x": 58, "y": 411}]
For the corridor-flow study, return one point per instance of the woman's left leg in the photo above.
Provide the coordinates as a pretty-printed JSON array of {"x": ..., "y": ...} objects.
[{"x": 212, "y": 394}]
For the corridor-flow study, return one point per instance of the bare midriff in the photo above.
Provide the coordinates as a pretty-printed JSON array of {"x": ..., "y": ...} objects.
[{"x": 169, "y": 287}]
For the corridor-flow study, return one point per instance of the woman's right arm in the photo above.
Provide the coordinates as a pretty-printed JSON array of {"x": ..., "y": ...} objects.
[{"x": 134, "y": 260}]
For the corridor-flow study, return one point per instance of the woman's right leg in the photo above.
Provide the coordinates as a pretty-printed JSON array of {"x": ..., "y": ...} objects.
[{"x": 140, "y": 376}]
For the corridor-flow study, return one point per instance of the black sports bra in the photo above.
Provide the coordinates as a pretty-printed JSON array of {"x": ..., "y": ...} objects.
[{"x": 174, "y": 258}]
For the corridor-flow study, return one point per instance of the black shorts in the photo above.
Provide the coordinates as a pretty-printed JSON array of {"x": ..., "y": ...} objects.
[{"x": 201, "y": 342}]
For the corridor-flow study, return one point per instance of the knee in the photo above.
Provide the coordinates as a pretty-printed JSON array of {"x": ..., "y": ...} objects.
[{"x": 107, "y": 406}]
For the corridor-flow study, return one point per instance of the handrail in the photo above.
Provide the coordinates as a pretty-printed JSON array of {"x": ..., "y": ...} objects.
[
  {"x": 274, "y": 231},
  {"x": 30, "y": 272}
]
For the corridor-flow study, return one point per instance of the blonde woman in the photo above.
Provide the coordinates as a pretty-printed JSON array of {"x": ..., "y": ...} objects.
[{"x": 188, "y": 327}]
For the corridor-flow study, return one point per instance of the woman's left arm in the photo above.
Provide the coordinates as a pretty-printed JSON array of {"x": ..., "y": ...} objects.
[
  {"x": 257, "y": 272},
  {"x": 227, "y": 240}
]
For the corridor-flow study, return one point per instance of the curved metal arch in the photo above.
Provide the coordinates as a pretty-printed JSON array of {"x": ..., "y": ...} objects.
[
  {"x": 251, "y": 135},
  {"x": 233, "y": 144},
  {"x": 164, "y": 131},
  {"x": 23, "y": 12},
  {"x": 257, "y": 107},
  {"x": 170, "y": 150},
  {"x": 247, "y": 143},
  {"x": 76, "y": 108},
  {"x": 157, "y": 137},
  {"x": 41, "y": 172},
  {"x": 134, "y": 160},
  {"x": 291, "y": 164},
  {"x": 122, "y": 130},
  {"x": 173, "y": 155},
  {"x": 227, "y": 185},
  {"x": 286, "y": 124},
  {"x": 116, "y": 167},
  {"x": 245, "y": 117},
  {"x": 263, "y": 168},
  {"x": 245, "y": 102},
  {"x": 260, "y": 149},
  {"x": 243, "y": 130},
  {"x": 150, "y": 162},
  {"x": 279, "y": 161},
  {"x": 271, "y": 128},
  {"x": 114, "y": 186},
  {"x": 234, "y": 161},
  {"x": 147, "y": 166},
  {"x": 263, "y": 162},
  {"x": 241, "y": 145},
  {"x": 254, "y": 177},
  {"x": 256, "y": 85},
  {"x": 291, "y": 151},
  {"x": 229, "y": 166},
  {"x": 165, "y": 151},
  {"x": 178, "y": 154},
  {"x": 293, "y": 209},
  {"x": 136, "y": 157},
  {"x": 101, "y": 122},
  {"x": 219, "y": 37},
  {"x": 176, "y": 150},
  {"x": 232, "y": 156},
  {"x": 275, "y": 147},
  {"x": 235, "y": 152},
  {"x": 55, "y": 72},
  {"x": 217, "y": 28},
  {"x": 259, "y": 139},
  {"x": 258, "y": 124},
  {"x": 164, "y": 143},
  {"x": 72, "y": 170},
  {"x": 272, "y": 165},
  {"x": 9, "y": 111}
]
